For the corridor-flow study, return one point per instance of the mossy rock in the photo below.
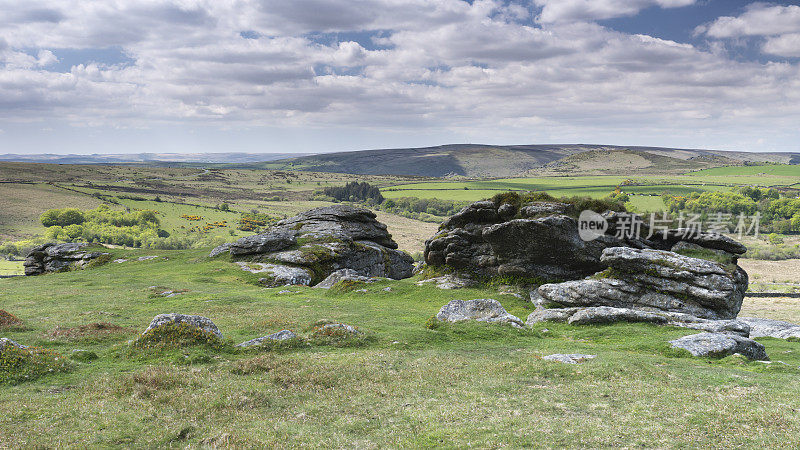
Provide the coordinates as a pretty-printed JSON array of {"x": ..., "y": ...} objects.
[{"x": 177, "y": 335}]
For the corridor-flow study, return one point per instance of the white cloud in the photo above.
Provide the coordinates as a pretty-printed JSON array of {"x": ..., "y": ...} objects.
[
  {"x": 480, "y": 69},
  {"x": 784, "y": 45},
  {"x": 589, "y": 10},
  {"x": 760, "y": 19}
]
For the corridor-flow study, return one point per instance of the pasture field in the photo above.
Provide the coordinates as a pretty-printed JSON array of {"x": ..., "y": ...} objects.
[
  {"x": 761, "y": 175},
  {"x": 22, "y": 204},
  {"x": 394, "y": 388}
]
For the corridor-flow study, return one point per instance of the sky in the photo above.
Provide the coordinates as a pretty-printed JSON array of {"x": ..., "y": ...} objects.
[{"x": 129, "y": 76}]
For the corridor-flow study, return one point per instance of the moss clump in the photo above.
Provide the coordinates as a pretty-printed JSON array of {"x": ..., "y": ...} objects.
[
  {"x": 177, "y": 335},
  {"x": 709, "y": 255},
  {"x": 433, "y": 323},
  {"x": 84, "y": 356},
  {"x": 326, "y": 332},
  {"x": 598, "y": 205},
  {"x": 99, "y": 261},
  {"x": 518, "y": 199},
  {"x": 345, "y": 286},
  {"x": 18, "y": 365}
]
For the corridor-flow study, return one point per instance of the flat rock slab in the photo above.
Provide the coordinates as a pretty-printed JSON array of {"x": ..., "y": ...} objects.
[
  {"x": 337, "y": 328},
  {"x": 282, "y": 335},
  {"x": 606, "y": 315},
  {"x": 203, "y": 323},
  {"x": 342, "y": 275},
  {"x": 569, "y": 358},
  {"x": 717, "y": 345},
  {"x": 278, "y": 274},
  {"x": 771, "y": 328},
  {"x": 654, "y": 279},
  {"x": 481, "y": 310},
  {"x": 448, "y": 282}
]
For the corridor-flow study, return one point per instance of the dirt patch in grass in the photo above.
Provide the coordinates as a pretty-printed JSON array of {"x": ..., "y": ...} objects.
[
  {"x": 162, "y": 291},
  {"x": 786, "y": 271},
  {"x": 778, "y": 308},
  {"x": 97, "y": 330},
  {"x": 9, "y": 320}
]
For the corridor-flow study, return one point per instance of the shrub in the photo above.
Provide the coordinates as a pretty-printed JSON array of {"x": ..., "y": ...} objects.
[
  {"x": 354, "y": 191},
  {"x": 62, "y": 217}
]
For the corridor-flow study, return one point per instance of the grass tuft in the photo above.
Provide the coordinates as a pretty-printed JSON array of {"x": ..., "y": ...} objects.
[{"x": 18, "y": 365}]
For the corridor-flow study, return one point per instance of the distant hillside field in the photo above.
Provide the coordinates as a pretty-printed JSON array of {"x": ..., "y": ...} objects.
[{"x": 481, "y": 161}]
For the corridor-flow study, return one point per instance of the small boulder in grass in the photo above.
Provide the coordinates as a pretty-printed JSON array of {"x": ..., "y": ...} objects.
[
  {"x": 282, "y": 335},
  {"x": 180, "y": 330},
  {"x": 203, "y": 323},
  {"x": 718, "y": 345},
  {"x": 481, "y": 310},
  {"x": 333, "y": 333},
  {"x": 569, "y": 358}
]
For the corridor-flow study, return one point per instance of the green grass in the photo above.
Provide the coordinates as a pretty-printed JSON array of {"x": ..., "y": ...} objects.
[
  {"x": 763, "y": 175},
  {"x": 403, "y": 386},
  {"x": 172, "y": 222},
  {"x": 11, "y": 267}
]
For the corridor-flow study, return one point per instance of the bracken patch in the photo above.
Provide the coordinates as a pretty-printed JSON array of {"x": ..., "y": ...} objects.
[
  {"x": 97, "y": 330},
  {"x": 9, "y": 320}
]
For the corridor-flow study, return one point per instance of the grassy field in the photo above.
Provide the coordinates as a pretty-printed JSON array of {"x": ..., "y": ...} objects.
[
  {"x": 11, "y": 267},
  {"x": 763, "y": 175},
  {"x": 22, "y": 204},
  {"x": 398, "y": 388},
  {"x": 645, "y": 193}
]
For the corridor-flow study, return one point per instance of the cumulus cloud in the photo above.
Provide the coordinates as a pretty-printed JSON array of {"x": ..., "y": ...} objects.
[
  {"x": 780, "y": 25},
  {"x": 477, "y": 69},
  {"x": 589, "y": 10},
  {"x": 760, "y": 19}
]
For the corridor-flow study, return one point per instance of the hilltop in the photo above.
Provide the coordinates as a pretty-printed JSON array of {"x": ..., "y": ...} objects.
[{"x": 515, "y": 160}]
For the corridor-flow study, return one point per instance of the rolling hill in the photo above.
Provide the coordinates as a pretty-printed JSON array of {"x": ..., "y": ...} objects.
[{"x": 513, "y": 160}]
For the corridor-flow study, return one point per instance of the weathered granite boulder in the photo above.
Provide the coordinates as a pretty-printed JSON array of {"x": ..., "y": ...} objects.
[
  {"x": 481, "y": 310},
  {"x": 657, "y": 280},
  {"x": 322, "y": 241},
  {"x": 537, "y": 242},
  {"x": 278, "y": 274},
  {"x": 771, "y": 328},
  {"x": 608, "y": 314},
  {"x": 716, "y": 345},
  {"x": 568, "y": 358},
  {"x": 203, "y": 323},
  {"x": 666, "y": 240},
  {"x": 342, "y": 275},
  {"x": 282, "y": 335},
  {"x": 540, "y": 240},
  {"x": 52, "y": 257}
]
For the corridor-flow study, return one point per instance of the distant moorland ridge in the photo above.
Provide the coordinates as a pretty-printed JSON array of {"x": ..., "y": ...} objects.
[{"x": 470, "y": 160}]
